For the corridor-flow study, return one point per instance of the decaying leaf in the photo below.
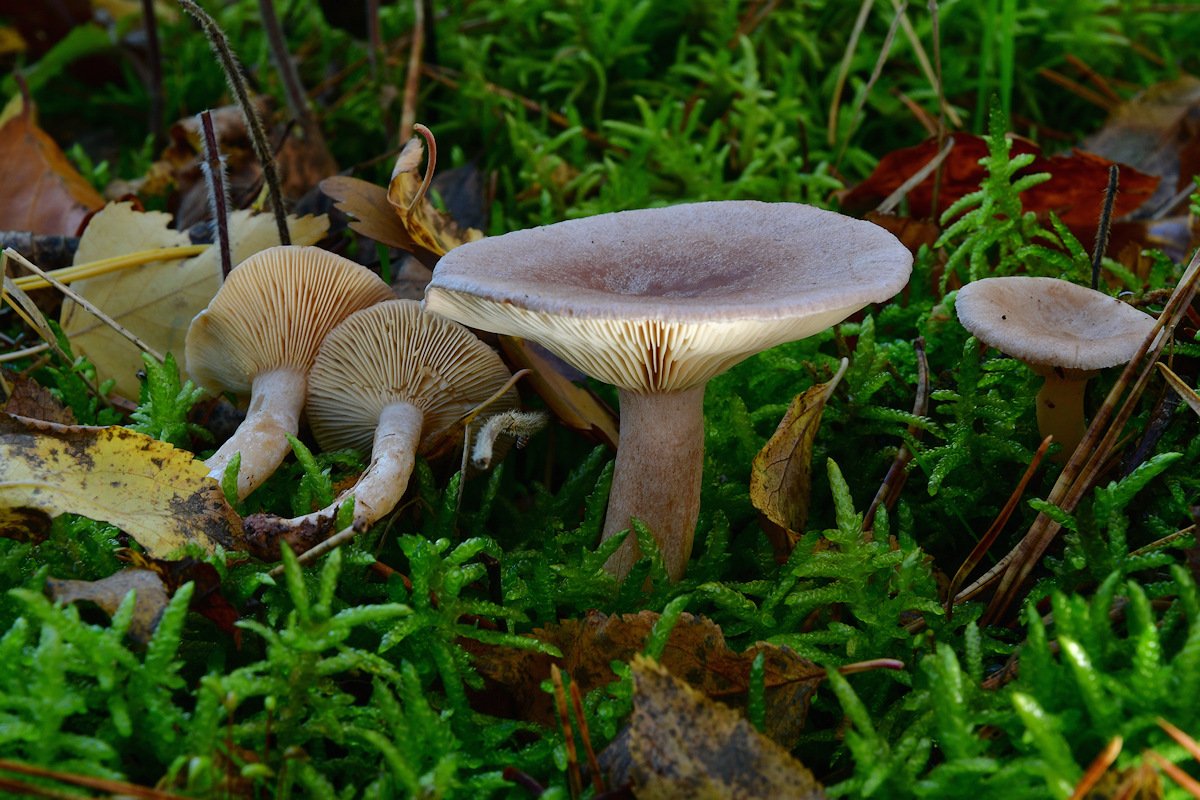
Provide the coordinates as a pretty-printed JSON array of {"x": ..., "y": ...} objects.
[
  {"x": 695, "y": 651},
  {"x": 400, "y": 216},
  {"x": 781, "y": 473},
  {"x": 207, "y": 599},
  {"x": 1185, "y": 392},
  {"x": 156, "y": 301},
  {"x": 108, "y": 593},
  {"x": 159, "y": 495},
  {"x": 682, "y": 744},
  {"x": 30, "y": 399},
  {"x": 1075, "y": 190},
  {"x": 575, "y": 406},
  {"x": 43, "y": 192}
]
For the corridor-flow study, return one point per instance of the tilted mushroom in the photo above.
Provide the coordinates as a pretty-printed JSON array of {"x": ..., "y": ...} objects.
[
  {"x": 658, "y": 301},
  {"x": 259, "y": 336},
  {"x": 392, "y": 379},
  {"x": 1063, "y": 332}
]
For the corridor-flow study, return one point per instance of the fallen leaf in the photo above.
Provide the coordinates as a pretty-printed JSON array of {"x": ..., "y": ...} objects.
[
  {"x": 43, "y": 193},
  {"x": 781, "y": 473},
  {"x": 1185, "y": 392},
  {"x": 30, "y": 399},
  {"x": 575, "y": 406},
  {"x": 207, "y": 599},
  {"x": 108, "y": 593},
  {"x": 682, "y": 744},
  {"x": 695, "y": 650},
  {"x": 159, "y": 495},
  {"x": 1075, "y": 191},
  {"x": 366, "y": 204},
  {"x": 430, "y": 229},
  {"x": 156, "y": 301}
]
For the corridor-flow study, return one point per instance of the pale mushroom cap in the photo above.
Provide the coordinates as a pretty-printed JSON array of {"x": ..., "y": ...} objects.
[
  {"x": 396, "y": 351},
  {"x": 1047, "y": 322},
  {"x": 273, "y": 311},
  {"x": 663, "y": 299}
]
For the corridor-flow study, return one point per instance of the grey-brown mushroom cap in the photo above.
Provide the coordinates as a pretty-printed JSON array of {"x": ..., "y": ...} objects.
[
  {"x": 398, "y": 352},
  {"x": 272, "y": 311},
  {"x": 663, "y": 299},
  {"x": 1048, "y": 322}
]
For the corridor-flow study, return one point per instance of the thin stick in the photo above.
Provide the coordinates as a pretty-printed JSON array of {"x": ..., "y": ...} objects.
[
  {"x": 1110, "y": 196},
  {"x": 575, "y": 780},
  {"x": 412, "y": 81},
  {"x": 102, "y": 784},
  {"x": 893, "y": 482},
  {"x": 889, "y": 203},
  {"x": 1100, "y": 764},
  {"x": 585, "y": 734},
  {"x": 321, "y": 548},
  {"x": 31, "y": 315},
  {"x": 150, "y": 22},
  {"x": 861, "y": 99},
  {"x": 17, "y": 355},
  {"x": 213, "y": 166},
  {"x": 931, "y": 74},
  {"x": 87, "y": 305},
  {"x": 258, "y": 134},
  {"x": 374, "y": 39},
  {"x": 935, "y": 20},
  {"x": 293, "y": 91},
  {"x": 1185, "y": 781}
]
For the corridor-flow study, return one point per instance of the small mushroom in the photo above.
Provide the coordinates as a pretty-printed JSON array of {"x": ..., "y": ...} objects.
[
  {"x": 259, "y": 336},
  {"x": 658, "y": 301},
  {"x": 395, "y": 380},
  {"x": 1063, "y": 332}
]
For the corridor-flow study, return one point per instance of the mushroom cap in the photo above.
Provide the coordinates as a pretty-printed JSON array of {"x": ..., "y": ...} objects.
[
  {"x": 1047, "y": 322},
  {"x": 663, "y": 299},
  {"x": 272, "y": 311},
  {"x": 398, "y": 352}
]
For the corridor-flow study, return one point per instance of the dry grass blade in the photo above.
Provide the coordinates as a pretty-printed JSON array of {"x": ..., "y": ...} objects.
[
  {"x": 1185, "y": 781},
  {"x": 116, "y": 788},
  {"x": 1185, "y": 392},
  {"x": 88, "y": 306},
  {"x": 989, "y": 538},
  {"x": 104, "y": 266},
  {"x": 861, "y": 100},
  {"x": 844, "y": 68},
  {"x": 931, "y": 75},
  {"x": 1095, "y": 771},
  {"x": 889, "y": 203},
  {"x": 412, "y": 81},
  {"x": 1184, "y": 740},
  {"x": 1084, "y": 465},
  {"x": 564, "y": 719}
]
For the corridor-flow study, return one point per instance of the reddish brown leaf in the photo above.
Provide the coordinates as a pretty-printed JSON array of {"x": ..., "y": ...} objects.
[
  {"x": 30, "y": 399},
  {"x": 696, "y": 651},
  {"x": 43, "y": 193},
  {"x": 110, "y": 592}
]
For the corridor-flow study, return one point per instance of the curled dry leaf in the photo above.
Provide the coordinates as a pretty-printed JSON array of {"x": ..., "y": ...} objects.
[
  {"x": 156, "y": 301},
  {"x": 682, "y": 744},
  {"x": 781, "y": 473},
  {"x": 108, "y": 593},
  {"x": 696, "y": 651},
  {"x": 159, "y": 495},
  {"x": 43, "y": 192}
]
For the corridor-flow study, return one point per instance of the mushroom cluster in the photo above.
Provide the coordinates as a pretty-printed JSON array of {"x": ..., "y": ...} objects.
[{"x": 658, "y": 301}]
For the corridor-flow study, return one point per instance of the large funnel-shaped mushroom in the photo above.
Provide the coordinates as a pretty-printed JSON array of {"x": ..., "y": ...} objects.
[
  {"x": 1064, "y": 332},
  {"x": 658, "y": 301}
]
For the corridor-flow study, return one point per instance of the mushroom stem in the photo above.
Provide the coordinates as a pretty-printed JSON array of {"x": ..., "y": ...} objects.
[
  {"x": 657, "y": 475},
  {"x": 1060, "y": 412},
  {"x": 276, "y": 399},
  {"x": 393, "y": 453}
]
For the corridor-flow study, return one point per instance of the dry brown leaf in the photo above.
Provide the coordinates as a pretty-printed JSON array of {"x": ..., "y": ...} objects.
[
  {"x": 159, "y": 495},
  {"x": 682, "y": 744},
  {"x": 575, "y": 406},
  {"x": 156, "y": 301},
  {"x": 30, "y": 399},
  {"x": 695, "y": 650},
  {"x": 781, "y": 473},
  {"x": 43, "y": 192},
  {"x": 430, "y": 229},
  {"x": 370, "y": 213},
  {"x": 108, "y": 593}
]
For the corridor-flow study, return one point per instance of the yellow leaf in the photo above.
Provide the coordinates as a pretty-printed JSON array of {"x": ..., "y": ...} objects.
[
  {"x": 682, "y": 744},
  {"x": 156, "y": 301},
  {"x": 429, "y": 228},
  {"x": 159, "y": 495},
  {"x": 781, "y": 474}
]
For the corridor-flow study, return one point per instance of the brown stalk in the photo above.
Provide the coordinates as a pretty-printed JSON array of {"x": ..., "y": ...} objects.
[
  {"x": 1096, "y": 78},
  {"x": 412, "y": 80},
  {"x": 1185, "y": 781},
  {"x": 989, "y": 538},
  {"x": 1095, "y": 771},
  {"x": 150, "y": 22},
  {"x": 1078, "y": 89},
  {"x": 897, "y": 474},
  {"x": 585, "y": 734},
  {"x": 86, "y": 781},
  {"x": 1082, "y": 468},
  {"x": 564, "y": 718},
  {"x": 213, "y": 166}
]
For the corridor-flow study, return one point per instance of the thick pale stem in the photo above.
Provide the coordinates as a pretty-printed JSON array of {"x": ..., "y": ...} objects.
[
  {"x": 393, "y": 454},
  {"x": 276, "y": 400},
  {"x": 657, "y": 475},
  {"x": 1060, "y": 412}
]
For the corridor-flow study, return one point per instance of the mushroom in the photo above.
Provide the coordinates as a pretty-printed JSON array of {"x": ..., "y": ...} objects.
[
  {"x": 658, "y": 301},
  {"x": 395, "y": 380},
  {"x": 1063, "y": 332},
  {"x": 259, "y": 336}
]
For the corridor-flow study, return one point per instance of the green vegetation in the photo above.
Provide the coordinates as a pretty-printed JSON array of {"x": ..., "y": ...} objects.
[{"x": 355, "y": 676}]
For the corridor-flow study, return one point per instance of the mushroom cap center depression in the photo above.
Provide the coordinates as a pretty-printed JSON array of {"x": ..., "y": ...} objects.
[{"x": 663, "y": 299}]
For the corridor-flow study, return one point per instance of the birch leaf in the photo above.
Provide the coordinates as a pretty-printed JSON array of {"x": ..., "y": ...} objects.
[
  {"x": 781, "y": 473},
  {"x": 159, "y": 495},
  {"x": 156, "y": 301}
]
